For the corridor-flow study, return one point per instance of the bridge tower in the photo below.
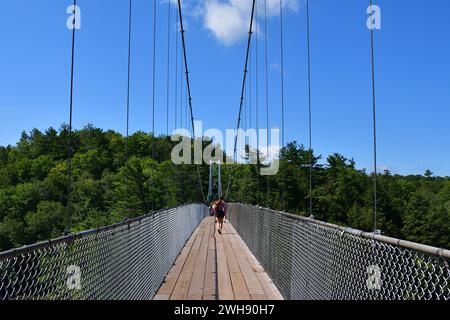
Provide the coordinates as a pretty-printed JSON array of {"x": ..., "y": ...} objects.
[{"x": 215, "y": 181}]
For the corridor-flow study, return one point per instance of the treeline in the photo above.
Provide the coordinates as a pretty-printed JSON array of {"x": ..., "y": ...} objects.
[{"x": 105, "y": 189}]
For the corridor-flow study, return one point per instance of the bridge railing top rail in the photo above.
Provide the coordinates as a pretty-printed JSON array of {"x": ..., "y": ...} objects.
[{"x": 427, "y": 249}]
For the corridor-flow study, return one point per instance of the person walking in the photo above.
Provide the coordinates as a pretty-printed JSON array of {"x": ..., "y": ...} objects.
[{"x": 220, "y": 208}]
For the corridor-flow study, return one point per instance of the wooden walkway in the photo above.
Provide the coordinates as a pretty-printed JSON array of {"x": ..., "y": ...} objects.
[{"x": 213, "y": 266}]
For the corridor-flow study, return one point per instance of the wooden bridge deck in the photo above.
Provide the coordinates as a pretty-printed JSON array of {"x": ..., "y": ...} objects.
[{"x": 213, "y": 266}]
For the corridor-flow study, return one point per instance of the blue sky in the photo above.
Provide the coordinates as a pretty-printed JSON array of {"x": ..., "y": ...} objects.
[{"x": 413, "y": 72}]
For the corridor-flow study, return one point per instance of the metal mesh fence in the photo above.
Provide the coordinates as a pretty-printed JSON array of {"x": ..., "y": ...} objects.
[
  {"x": 310, "y": 260},
  {"x": 125, "y": 261}
]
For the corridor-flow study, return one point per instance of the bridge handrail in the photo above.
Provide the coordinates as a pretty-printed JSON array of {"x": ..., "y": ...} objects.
[{"x": 441, "y": 252}]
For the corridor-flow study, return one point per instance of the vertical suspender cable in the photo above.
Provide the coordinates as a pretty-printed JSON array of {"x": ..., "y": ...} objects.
[
  {"x": 282, "y": 72},
  {"x": 128, "y": 98},
  {"x": 267, "y": 75},
  {"x": 308, "y": 37},
  {"x": 242, "y": 89},
  {"x": 169, "y": 5},
  {"x": 128, "y": 93},
  {"x": 282, "y": 91},
  {"x": 176, "y": 71},
  {"x": 154, "y": 65},
  {"x": 256, "y": 92},
  {"x": 267, "y": 94},
  {"x": 69, "y": 161},
  {"x": 181, "y": 88},
  {"x": 188, "y": 87},
  {"x": 257, "y": 103},
  {"x": 250, "y": 69},
  {"x": 374, "y": 115}
]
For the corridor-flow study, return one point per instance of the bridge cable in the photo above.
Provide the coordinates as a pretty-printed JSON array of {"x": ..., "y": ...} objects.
[
  {"x": 169, "y": 20},
  {"x": 308, "y": 28},
  {"x": 257, "y": 94},
  {"x": 242, "y": 91},
  {"x": 176, "y": 71},
  {"x": 250, "y": 98},
  {"x": 266, "y": 76},
  {"x": 128, "y": 94},
  {"x": 374, "y": 116},
  {"x": 257, "y": 105},
  {"x": 267, "y": 93},
  {"x": 188, "y": 87},
  {"x": 154, "y": 65},
  {"x": 69, "y": 160},
  {"x": 282, "y": 97},
  {"x": 181, "y": 86}
]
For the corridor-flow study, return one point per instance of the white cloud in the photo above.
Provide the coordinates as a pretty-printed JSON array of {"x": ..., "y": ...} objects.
[{"x": 228, "y": 20}]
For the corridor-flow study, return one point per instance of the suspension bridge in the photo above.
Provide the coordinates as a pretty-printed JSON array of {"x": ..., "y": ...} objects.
[{"x": 263, "y": 254}]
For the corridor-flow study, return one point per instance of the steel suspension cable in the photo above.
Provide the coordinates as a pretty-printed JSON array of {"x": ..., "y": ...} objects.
[
  {"x": 188, "y": 88},
  {"x": 266, "y": 75},
  {"x": 282, "y": 73},
  {"x": 154, "y": 65},
  {"x": 250, "y": 32},
  {"x": 250, "y": 97},
  {"x": 69, "y": 161},
  {"x": 257, "y": 93},
  {"x": 374, "y": 117},
  {"x": 267, "y": 94},
  {"x": 181, "y": 87},
  {"x": 176, "y": 71},
  {"x": 128, "y": 93},
  {"x": 186, "y": 68},
  {"x": 257, "y": 104},
  {"x": 169, "y": 5},
  {"x": 282, "y": 93},
  {"x": 308, "y": 37}
]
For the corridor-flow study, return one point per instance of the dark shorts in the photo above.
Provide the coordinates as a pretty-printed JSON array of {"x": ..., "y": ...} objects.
[{"x": 220, "y": 214}]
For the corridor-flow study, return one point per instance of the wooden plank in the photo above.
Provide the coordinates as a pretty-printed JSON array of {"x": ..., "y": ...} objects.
[
  {"x": 162, "y": 297},
  {"x": 168, "y": 285},
  {"x": 197, "y": 283},
  {"x": 253, "y": 262},
  {"x": 233, "y": 265},
  {"x": 240, "y": 289},
  {"x": 182, "y": 286},
  {"x": 269, "y": 287},
  {"x": 210, "y": 284},
  {"x": 226, "y": 297},
  {"x": 253, "y": 285},
  {"x": 225, "y": 287},
  {"x": 259, "y": 297},
  {"x": 198, "y": 278},
  {"x": 252, "y": 282},
  {"x": 211, "y": 262}
]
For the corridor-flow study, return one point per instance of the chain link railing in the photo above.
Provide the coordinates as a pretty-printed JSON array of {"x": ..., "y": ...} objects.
[
  {"x": 128, "y": 260},
  {"x": 309, "y": 259}
]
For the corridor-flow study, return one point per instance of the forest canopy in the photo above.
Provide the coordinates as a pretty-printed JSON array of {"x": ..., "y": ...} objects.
[{"x": 105, "y": 189}]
